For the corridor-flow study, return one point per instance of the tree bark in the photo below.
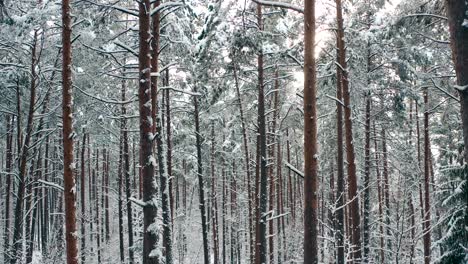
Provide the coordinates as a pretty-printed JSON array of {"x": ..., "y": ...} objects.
[
  {"x": 246, "y": 164},
  {"x": 262, "y": 242},
  {"x": 350, "y": 155},
  {"x": 310, "y": 139},
  {"x": 427, "y": 161},
  {"x": 18, "y": 227},
  {"x": 68, "y": 134},
  {"x": 8, "y": 183},
  {"x": 340, "y": 231},
  {"x": 126, "y": 171},
  {"x": 147, "y": 162},
  {"x": 201, "y": 188},
  {"x": 214, "y": 200},
  {"x": 83, "y": 200}
]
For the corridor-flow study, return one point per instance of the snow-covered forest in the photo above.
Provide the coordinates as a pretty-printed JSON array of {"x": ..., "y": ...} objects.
[{"x": 233, "y": 131}]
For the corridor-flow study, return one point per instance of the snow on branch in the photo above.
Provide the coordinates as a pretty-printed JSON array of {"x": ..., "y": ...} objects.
[
  {"x": 125, "y": 47},
  {"x": 292, "y": 168},
  {"x": 167, "y": 5},
  {"x": 179, "y": 90},
  {"x": 425, "y": 14},
  {"x": 137, "y": 201},
  {"x": 279, "y": 4},
  {"x": 105, "y": 100},
  {"x": 51, "y": 184},
  {"x": 445, "y": 92}
]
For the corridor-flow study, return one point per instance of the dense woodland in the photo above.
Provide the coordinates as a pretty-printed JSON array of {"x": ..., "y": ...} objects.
[{"x": 224, "y": 131}]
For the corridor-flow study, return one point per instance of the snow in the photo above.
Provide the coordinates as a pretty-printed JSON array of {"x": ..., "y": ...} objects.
[
  {"x": 465, "y": 23},
  {"x": 152, "y": 161},
  {"x": 460, "y": 88}
]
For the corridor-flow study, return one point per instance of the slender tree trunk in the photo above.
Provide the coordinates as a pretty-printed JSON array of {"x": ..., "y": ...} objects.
[
  {"x": 201, "y": 187},
  {"x": 214, "y": 206},
  {"x": 67, "y": 119},
  {"x": 18, "y": 227},
  {"x": 126, "y": 171},
  {"x": 8, "y": 171},
  {"x": 310, "y": 139},
  {"x": 246, "y": 165},
  {"x": 97, "y": 207},
  {"x": 350, "y": 155},
  {"x": 427, "y": 160},
  {"x": 169, "y": 148},
  {"x": 367, "y": 187},
  {"x": 106, "y": 196},
  {"x": 341, "y": 195},
  {"x": 83, "y": 200},
  {"x": 380, "y": 195},
  {"x": 147, "y": 161},
  {"x": 165, "y": 202},
  {"x": 262, "y": 242},
  {"x": 120, "y": 198}
]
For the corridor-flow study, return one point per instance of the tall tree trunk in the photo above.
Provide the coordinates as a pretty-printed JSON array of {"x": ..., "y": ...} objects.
[
  {"x": 169, "y": 148},
  {"x": 126, "y": 171},
  {"x": 83, "y": 200},
  {"x": 427, "y": 161},
  {"x": 380, "y": 199},
  {"x": 201, "y": 188},
  {"x": 456, "y": 13},
  {"x": 106, "y": 195},
  {"x": 214, "y": 206},
  {"x": 68, "y": 134},
  {"x": 120, "y": 198},
  {"x": 165, "y": 203},
  {"x": 246, "y": 165},
  {"x": 18, "y": 227},
  {"x": 147, "y": 162},
  {"x": 97, "y": 207},
  {"x": 367, "y": 187},
  {"x": 350, "y": 155},
  {"x": 262, "y": 242},
  {"x": 8, "y": 183},
  {"x": 341, "y": 195},
  {"x": 310, "y": 139}
]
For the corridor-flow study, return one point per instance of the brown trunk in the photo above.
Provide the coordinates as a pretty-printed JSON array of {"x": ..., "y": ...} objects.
[
  {"x": 310, "y": 138},
  {"x": 8, "y": 170},
  {"x": 341, "y": 195},
  {"x": 18, "y": 227},
  {"x": 146, "y": 105},
  {"x": 456, "y": 13},
  {"x": 106, "y": 197},
  {"x": 257, "y": 201},
  {"x": 262, "y": 242},
  {"x": 97, "y": 207},
  {"x": 201, "y": 188},
  {"x": 214, "y": 206},
  {"x": 367, "y": 187},
  {"x": 126, "y": 171},
  {"x": 169, "y": 147},
  {"x": 350, "y": 155},
  {"x": 263, "y": 201},
  {"x": 380, "y": 195},
  {"x": 119, "y": 197},
  {"x": 427, "y": 160},
  {"x": 83, "y": 200},
  {"x": 246, "y": 165},
  {"x": 67, "y": 119},
  {"x": 272, "y": 176}
]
